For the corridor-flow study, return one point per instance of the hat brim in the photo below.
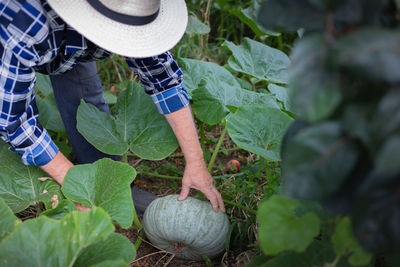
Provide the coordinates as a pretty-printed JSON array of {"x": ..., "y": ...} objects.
[{"x": 148, "y": 40}]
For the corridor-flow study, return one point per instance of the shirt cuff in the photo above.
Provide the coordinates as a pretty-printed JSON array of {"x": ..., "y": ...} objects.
[
  {"x": 40, "y": 153},
  {"x": 171, "y": 100}
]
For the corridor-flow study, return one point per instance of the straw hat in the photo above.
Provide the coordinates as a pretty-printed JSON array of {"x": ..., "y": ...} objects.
[{"x": 133, "y": 28}]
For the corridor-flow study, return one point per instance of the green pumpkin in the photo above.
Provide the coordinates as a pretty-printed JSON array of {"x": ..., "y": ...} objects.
[{"x": 189, "y": 228}]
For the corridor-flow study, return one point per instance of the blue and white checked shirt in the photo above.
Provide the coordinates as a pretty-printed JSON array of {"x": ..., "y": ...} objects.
[{"x": 34, "y": 38}]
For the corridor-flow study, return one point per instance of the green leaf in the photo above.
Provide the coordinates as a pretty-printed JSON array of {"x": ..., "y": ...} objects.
[
  {"x": 100, "y": 130},
  {"x": 314, "y": 91},
  {"x": 259, "y": 129},
  {"x": 281, "y": 230},
  {"x": 19, "y": 184},
  {"x": 195, "y": 26},
  {"x": 115, "y": 247},
  {"x": 48, "y": 242},
  {"x": 110, "y": 98},
  {"x": 106, "y": 184},
  {"x": 216, "y": 96},
  {"x": 137, "y": 126},
  {"x": 376, "y": 227},
  {"x": 113, "y": 263},
  {"x": 63, "y": 208},
  {"x": 249, "y": 17},
  {"x": 8, "y": 221},
  {"x": 311, "y": 160},
  {"x": 291, "y": 15},
  {"x": 386, "y": 118},
  {"x": 344, "y": 243},
  {"x": 372, "y": 53},
  {"x": 259, "y": 60},
  {"x": 317, "y": 254},
  {"x": 196, "y": 70},
  {"x": 388, "y": 158},
  {"x": 282, "y": 94},
  {"x": 43, "y": 85},
  {"x": 49, "y": 116}
]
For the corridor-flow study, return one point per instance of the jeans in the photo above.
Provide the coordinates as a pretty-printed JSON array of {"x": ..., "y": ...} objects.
[{"x": 82, "y": 82}]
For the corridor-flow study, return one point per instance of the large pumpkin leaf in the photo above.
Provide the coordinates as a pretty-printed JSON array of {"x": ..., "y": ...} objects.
[
  {"x": 259, "y": 60},
  {"x": 63, "y": 208},
  {"x": 344, "y": 243},
  {"x": 259, "y": 129},
  {"x": 100, "y": 130},
  {"x": 195, "y": 26},
  {"x": 8, "y": 221},
  {"x": 48, "y": 242},
  {"x": 137, "y": 126},
  {"x": 19, "y": 184},
  {"x": 196, "y": 70},
  {"x": 291, "y": 15},
  {"x": 216, "y": 97},
  {"x": 310, "y": 161},
  {"x": 249, "y": 17},
  {"x": 282, "y": 94},
  {"x": 311, "y": 15},
  {"x": 106, "y": 184},
  {"x": 317, "y": 254},
  {"x": 379, "y": 192},
  {"x": 370, "y": 52},
  {"x": 113, "y": 263},
  {"x": 115, "y": 247},
  {"x": 314, "y": 91},
  {"x": 49, "y": 116},
  {"x": 281, "y": 230}
]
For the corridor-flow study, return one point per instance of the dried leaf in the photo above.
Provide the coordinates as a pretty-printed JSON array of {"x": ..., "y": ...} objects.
[
  {"x": 44, "y": 178},
  {"x": 54, "y": 201}
]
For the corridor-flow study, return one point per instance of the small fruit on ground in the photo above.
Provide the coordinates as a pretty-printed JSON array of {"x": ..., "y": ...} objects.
[{"x": 233, "y": 166}]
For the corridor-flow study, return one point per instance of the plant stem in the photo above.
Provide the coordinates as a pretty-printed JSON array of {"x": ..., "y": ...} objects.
[
  {"x": 267, "y": 170},
  {"x": 126, "y": 157},
  {"x": 153, "y": 174},
  {"x": 214, "y": 155},
  {"x": 240, "y": 206}
]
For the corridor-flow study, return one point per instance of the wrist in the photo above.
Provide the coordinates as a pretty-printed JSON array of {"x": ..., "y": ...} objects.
[{"x": 58, "y": 167}]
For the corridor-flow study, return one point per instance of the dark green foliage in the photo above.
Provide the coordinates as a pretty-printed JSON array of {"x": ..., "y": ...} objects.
[{"x": 344, "y": 148}]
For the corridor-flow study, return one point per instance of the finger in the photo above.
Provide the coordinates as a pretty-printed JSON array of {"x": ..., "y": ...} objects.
[
  {"x": 184, "y": 192},
  {"x": 81, "y": 208},
  {"x": 220, "y": 200},
  {"x": 213, "y": 199}
]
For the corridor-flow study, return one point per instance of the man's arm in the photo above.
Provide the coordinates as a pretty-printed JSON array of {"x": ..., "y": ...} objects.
[
  {"x": 196, "y": 174},
  {"x": 58, "y": 167}
]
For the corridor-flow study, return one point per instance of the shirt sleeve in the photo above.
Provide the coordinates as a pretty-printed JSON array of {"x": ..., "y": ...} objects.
[
  {"x": 19, "y": 125},
  {"x": 162, "y": 79}
]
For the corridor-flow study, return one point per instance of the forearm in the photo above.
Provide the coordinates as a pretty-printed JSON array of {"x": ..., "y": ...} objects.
[
  {"x": 183, "y": 126},
  {"x": 58, "y": 167}
]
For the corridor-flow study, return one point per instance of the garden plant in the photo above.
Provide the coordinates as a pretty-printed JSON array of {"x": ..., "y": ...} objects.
[{"x": 297, "y": 107}]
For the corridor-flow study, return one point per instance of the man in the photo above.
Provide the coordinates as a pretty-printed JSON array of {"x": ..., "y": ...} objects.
[{"x": 61, "y": 38}]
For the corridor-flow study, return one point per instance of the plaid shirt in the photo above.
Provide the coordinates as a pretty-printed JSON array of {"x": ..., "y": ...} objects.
[{"x": 34, "y": 38}]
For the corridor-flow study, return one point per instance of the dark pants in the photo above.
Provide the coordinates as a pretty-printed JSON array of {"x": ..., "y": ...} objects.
[{"x": 69, "y": 88}]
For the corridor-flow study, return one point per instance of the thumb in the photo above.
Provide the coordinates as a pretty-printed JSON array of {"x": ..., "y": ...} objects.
[{"x": 184, "y": 192}]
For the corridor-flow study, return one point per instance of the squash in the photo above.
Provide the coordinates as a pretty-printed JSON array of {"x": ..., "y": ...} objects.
[{"x": 189, "y": 228}]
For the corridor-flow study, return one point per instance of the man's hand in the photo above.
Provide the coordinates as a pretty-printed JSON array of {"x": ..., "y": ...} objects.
[
  {"x": 57, "y": 168},
  {"x": 196, "y": 174},
  {"x": 199, "y": 178}
]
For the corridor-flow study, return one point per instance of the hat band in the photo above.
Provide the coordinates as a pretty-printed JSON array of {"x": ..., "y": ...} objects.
[{"x": 123, "y": 18}]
